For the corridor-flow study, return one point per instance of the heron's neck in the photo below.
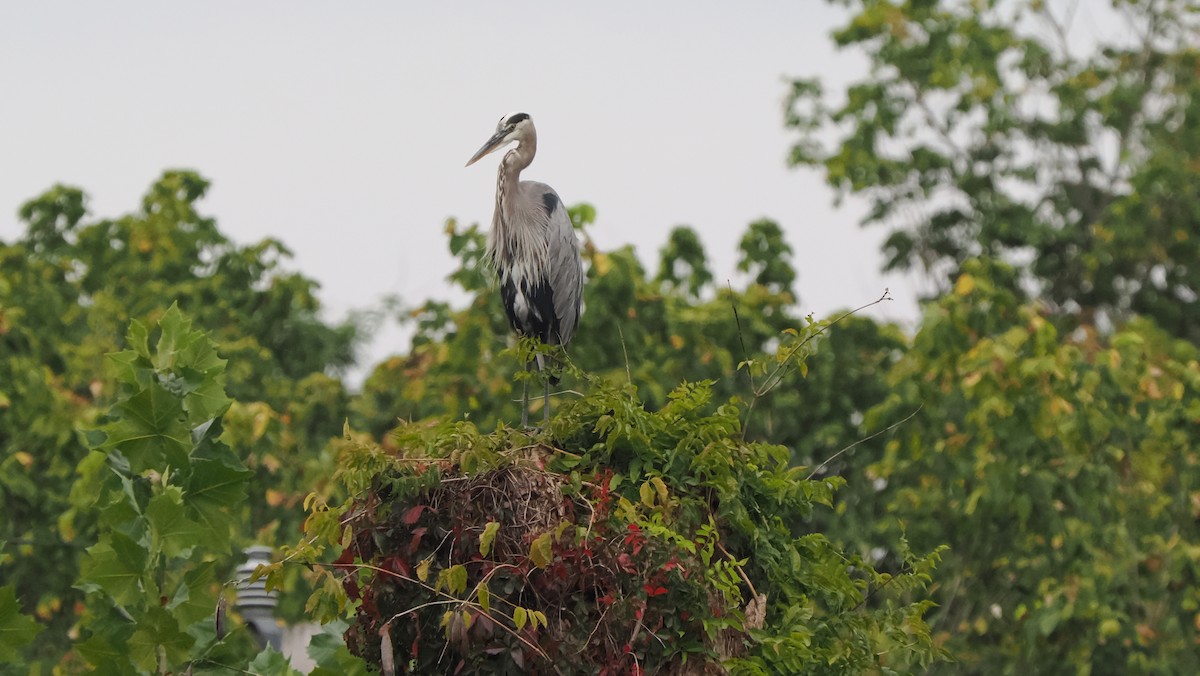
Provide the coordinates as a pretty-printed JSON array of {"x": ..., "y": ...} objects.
[
  {"x": 518, "y": 158},
  {"x": 511, "y": 237},
  {"x": 509, "y": 175}
]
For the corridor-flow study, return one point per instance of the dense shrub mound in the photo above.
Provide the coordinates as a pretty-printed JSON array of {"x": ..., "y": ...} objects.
[
  {"x": 526, "y": 539},
  {"x": 618, "y": 540}
]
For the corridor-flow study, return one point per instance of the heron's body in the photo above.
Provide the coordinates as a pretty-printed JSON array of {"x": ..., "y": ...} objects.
[{"x": 533, "y": 246}]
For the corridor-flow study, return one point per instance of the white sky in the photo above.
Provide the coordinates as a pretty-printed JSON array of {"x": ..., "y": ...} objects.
[{"x": 342, "y": 130}]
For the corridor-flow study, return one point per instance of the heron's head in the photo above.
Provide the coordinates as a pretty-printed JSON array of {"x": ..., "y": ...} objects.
[{"x": 512, "y": 127}]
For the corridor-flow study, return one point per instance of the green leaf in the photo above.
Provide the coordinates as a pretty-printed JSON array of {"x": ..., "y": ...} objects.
[
  {"x": 158, "y": 628},
  {"x": 214, "y": 491},
  {"x": 115, "y": 565},
  {"x": 130, "y": 368},
  {"x": 660, "y": 488},
  {"x": 646, "y": 493},
  {"x": 206, "y": 401},
  {"x": 456, "y": 579},
  {"x": 149, "y": 431},
  {"x": 175, "y": 330},
  {"x": 328, "y": 651},
  {"x": 16, "y": 630},
  {"x": 172, "y": 532},
  {"x": 519, "y": 617},
  {"x": 540, "y": 551},
  {"x": 138, "y": 339},
  {"x": 107, "y": 648},
  {"x": 484, "y": 595},
  {"x": 189, "y": 368},
  {"x": 271, "y": 663},
  {"x": 489, "y": 535},
  {"x": 194, "y": 599}
]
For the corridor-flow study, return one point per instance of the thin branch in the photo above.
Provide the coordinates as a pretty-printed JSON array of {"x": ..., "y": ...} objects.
[
  {"x": 741, "y": 338},
  {"x": 745, "y": 578},
  {"x": 422, "y": 607},
  {"x": 768, "y": 385},
  {"x": 864, "y": 440},
  {"x": 628, "y": 375},
  {"x": 472, "y": 604},
  {"x": 776, "y": 377}
]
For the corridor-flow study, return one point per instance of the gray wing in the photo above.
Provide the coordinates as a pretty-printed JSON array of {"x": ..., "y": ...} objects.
[{"x": 566, "y": 267}]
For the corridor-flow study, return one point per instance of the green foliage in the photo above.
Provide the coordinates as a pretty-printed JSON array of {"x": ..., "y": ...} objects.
[
  {"x": 167, "y": 493},
  {"x": 106, "y": 272},
  {"x": 332, "y": 658},
  {"x": 620, "y": 538},
  {"x": 1062, "y": 471},
  {"x": 16, "y": 630},
  {"x": 1055, "y": 457},
  {"x": 983, "y": 131},
  {"x": 649, "y": 330},
  {"x": 766, "y": 256},
  {"x": 682, "y": 262},
  {"x": 68, "y": 289}
]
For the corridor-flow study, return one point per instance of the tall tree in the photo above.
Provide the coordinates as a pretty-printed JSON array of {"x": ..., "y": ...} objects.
[
  {"x": 1062, "y": 470},
  {"x": 69, "y": 288},
  {"x": 984, "y": 128}
]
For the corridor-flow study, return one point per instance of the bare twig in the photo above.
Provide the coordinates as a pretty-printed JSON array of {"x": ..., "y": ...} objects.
[
  {"x": 741, "y": 339},
  {"x": 775, "y": 377},
  {"x": 414, "y": 609},
  {"x": 628, "y": 374},
  {"x": 864, "y": 440},
  {"x": 472, "y": 604},
  {"x": 745, "y": 578}
]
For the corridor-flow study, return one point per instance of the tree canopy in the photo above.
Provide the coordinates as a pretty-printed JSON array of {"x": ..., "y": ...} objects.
[
  {"x": 69, "y": 289},
  {"x": 985, "y": 129}
]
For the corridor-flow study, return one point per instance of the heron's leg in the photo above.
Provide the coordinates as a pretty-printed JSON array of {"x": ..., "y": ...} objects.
[
  {"x": 525, "y": 398},
  {"x": 546, "y": 404}
]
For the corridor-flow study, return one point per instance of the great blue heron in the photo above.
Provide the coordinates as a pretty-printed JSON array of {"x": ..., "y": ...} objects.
[{"x": 533, "y": 248}]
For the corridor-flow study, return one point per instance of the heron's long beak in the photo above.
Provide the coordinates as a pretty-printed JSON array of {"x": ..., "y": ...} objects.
[{"x": 493, "y": 144}]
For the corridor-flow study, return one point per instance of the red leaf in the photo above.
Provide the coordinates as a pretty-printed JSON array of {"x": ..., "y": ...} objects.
[
  {"x": 417, "y": 534},
  {"x": 346, "y": 557},
  {"x": 368, "y": 604},
  {"x": 350, "y": 584},
  {"x": 635, "y": 539},
  {"x": 653, "y": 591},
  {"x": 397, "y": 565},
  {"x": 410, "y": 517}
]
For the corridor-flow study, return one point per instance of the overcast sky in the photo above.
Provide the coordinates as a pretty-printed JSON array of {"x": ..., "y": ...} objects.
[{"x": 343, "y": 129}]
